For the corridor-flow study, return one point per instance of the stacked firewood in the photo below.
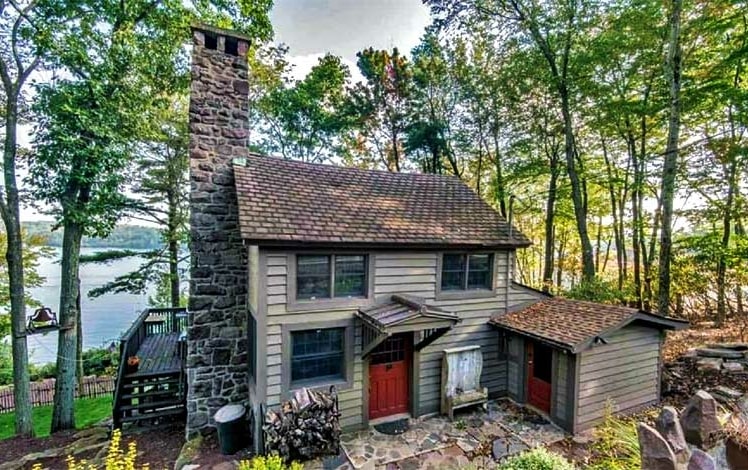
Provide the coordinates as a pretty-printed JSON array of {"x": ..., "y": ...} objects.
[{"x": 306, "y": 427}]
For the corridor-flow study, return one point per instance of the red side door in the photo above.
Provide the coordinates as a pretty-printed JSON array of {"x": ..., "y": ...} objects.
[
  {"x": 388, "y": 377},
  {"x": 539, "y": 360}
]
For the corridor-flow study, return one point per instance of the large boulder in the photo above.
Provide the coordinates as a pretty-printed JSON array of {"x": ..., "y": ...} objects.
[
  {"x": 668, "y": 425},
  {"x": 656, "y": 454},
  {"x": 699, "y": 420},
  {"x": 700, "y": 460}
]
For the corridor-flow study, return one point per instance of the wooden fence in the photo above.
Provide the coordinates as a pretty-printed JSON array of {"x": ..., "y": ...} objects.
[{"x": 43, "y": 392}]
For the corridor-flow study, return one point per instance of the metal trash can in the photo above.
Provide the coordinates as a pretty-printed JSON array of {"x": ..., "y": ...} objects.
[{"x": 233, "y": 428}]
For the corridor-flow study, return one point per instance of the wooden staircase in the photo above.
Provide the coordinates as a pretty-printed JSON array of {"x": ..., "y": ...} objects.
[{"x": 157, "y": 390}]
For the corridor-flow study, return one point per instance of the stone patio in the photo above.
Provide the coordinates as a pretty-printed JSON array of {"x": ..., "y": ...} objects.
[{"x": 478, "y": 437}]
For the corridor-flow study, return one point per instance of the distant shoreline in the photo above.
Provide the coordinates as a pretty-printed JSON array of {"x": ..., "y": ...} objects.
[{"x": 135, "y": 237}]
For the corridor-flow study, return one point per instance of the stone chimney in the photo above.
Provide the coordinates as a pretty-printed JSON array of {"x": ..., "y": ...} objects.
[{"x": 217, "y": 369}]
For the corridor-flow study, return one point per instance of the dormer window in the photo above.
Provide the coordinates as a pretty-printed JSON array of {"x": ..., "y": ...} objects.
[
  {"x": 463, "y": 272},
  {"x": 331, "y": 276}
]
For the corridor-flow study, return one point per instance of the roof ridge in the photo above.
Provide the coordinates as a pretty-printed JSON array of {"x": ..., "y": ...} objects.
[{"x": 396, "y": 174}]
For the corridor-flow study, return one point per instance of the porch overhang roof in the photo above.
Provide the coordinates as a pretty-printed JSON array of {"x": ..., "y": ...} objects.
[
  {"x": 400, "y": 309},
  {"x": 400, "y": 313}
]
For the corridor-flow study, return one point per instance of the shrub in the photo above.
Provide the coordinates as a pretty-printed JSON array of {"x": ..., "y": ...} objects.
[
  {"x": 616, "y": 445},
  {"x": 537, "y": 459},
  {"x": 96, "y": 361},
  {"x": 43, "y": 371},
  {"x": 271, "y": 462},
  {"x": 600, "y": 290},
  {"x": 116, "y": 458}
]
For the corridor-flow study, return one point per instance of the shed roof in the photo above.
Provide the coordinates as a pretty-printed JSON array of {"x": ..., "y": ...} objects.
[
  {"x": 575, "y": 324},
  {"x": 400, "y": 308},
  {"x": 290, "y": 201}
]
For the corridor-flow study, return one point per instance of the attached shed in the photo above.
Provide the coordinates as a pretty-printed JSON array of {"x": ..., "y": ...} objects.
[{"x": 570, "y": 358}]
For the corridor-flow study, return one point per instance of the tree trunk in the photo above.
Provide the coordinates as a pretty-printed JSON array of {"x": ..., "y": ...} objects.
[
  {"x": 650, "y": 256},
  {"x": 14, "y": 258},
  {"x": 636, "y": 217},
  {"x": 550, "y": 215},
  {"x": 731, "y": 173},
  {"x": 617, "y": 233},
  {"x": 580, "y": 211},
  {"x": 79, "y": 338},
  {"x": 174, "y": 271},
  {"x": 598, "y": 242},
  {"x": 500, "y": 185},
  {"x": 559, "y": 260},
  {"x": 63, "y": 411},
  {"x": 671, "y": 158}
]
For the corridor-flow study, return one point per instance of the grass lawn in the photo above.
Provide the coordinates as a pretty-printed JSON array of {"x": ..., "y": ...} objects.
[{"x": 88, "y": 411}]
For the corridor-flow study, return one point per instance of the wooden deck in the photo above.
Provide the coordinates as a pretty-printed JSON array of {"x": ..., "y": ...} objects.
[
  {"x": 158, "y": 389},
  {"x": 159, "y": 354}
]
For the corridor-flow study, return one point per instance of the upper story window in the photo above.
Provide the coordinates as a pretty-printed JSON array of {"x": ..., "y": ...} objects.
[
  {"x": 330, "y": 276},
  {"x": 462, "y": 272}
]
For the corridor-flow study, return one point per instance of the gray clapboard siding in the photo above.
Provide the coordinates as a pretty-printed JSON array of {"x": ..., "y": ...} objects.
[
  {"x": 515, "y": 359},
  {"x": 416, "y": 273},
  {"x": 519, "y": 295},
  {"x": 278, "y": 315},
  {"x": 624, "y": 372},
  {"x": 403, "y": 273},
  {"x": 560, "y": 384}
]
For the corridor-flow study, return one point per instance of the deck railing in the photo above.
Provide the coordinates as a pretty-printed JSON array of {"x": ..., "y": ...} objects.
[{"x": 151, "y": 321}]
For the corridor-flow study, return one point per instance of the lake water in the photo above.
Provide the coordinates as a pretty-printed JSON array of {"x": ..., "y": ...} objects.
[{"x": 104, "y": 318}]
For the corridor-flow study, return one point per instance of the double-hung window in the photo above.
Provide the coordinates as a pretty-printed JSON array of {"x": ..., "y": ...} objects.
[
  {"x": 463, "y": 272},
  {"x": 331, "y": 276}
]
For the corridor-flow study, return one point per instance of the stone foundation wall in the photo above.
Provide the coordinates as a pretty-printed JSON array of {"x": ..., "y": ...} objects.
[{"x": 217, "y": 370}]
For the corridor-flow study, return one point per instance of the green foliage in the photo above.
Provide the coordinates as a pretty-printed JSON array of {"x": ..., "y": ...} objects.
[
  {"x": 616, "y": 444},
  {"x": 136, "y": 282},
  {"x": 6, "y": 363},
  {"x": 599, "y": 290},
  {"x": 35, "y": 252},
  {"x": 564, "y": 105},
  {"x": 272, "y": 462},
  {"x": 303, "y": 119},
  {"x": 96, "y": 361},
  {"x": 162, "y": 296},
  {"x": 537, "y": 459},
  {"x": 160, "y": 196},
  {"x": 379, "y": 108},
  {"x": 43, "y": 371}
]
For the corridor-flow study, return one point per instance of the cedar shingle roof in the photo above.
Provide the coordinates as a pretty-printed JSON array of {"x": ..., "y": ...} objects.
[
  {"x": 289, "y": 201},
  {"x": 574, "y": 324}
]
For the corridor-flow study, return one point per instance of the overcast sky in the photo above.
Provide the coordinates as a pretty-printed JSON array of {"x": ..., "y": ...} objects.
[{"x": 312, "y": 28}]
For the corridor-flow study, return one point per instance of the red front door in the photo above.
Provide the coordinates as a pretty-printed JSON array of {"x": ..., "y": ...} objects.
[
  {"x": 539, "y": 360},
  {"x": 388, "y": 377}
]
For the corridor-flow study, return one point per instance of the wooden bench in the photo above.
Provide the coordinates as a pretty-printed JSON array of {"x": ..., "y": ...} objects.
[{"x": 461, "y": 370}]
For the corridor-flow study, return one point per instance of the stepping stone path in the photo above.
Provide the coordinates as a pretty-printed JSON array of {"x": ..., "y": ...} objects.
[{"x": 478, "y": 438}]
